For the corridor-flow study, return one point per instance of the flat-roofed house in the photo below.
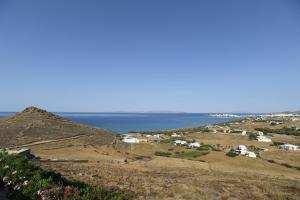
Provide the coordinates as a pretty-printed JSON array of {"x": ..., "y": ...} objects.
[
  {"x": 289, "y": 147},
  {"x": 194, "y": 145}
]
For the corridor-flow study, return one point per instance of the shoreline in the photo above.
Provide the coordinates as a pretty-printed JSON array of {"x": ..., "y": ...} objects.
[{"x": 185, "y": 129}]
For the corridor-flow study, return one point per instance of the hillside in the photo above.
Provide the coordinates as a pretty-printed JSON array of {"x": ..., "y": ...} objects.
[{"x": 34, "y": 124}]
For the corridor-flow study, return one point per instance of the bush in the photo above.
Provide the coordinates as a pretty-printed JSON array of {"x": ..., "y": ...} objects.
[
  {"x": 191, "y": 154},
  {"x": 203, "y": 148},
  {"x": 232, "y": 153},
  {"x": 26, "y": 181},
  {"x": 277, "y": 143},
  {"x": 160, "y": 153},
  {"x": 207, "y": 147},
  {"x": 282, "y": 131},
  {"x": 287, "y": 165},
  {"x": 252, "y": 136}
]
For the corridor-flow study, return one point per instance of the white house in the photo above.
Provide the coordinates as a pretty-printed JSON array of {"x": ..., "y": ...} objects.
[
  {"x": 242, "y": 149},
  {"x": 289, "y": 147},
  {"x": 155, "y": 137},
  {"x": 175, "y": 135},
  {"x": 180, "y": 142},
  {"x": 262, "y": 138},
  {"x": 260, "y": 133},
  {"x": 194, "y": 145},
  {"x": 251, "y": 154},
  {"x": 131, "y": 140},
  {"x": 244, "y": 133}
]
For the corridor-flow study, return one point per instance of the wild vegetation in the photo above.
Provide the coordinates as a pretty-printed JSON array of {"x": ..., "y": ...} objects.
[
  {"x": 26, "y": 181},
  {"x": 231, "y": 153},
  {"x": 152, "y": 169},
  {"x": 189, "y": 154},
  {"x": 283, "y": 131},
  {"x": 251, "y": 136}
]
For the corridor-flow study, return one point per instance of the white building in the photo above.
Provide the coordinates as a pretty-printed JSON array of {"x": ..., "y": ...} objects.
[
  {"x": 242, "y": 149},
  {"x": 262, "y": 138},
  {"x": 175, "y": 135},
  {"x": 194, "y": 145},
  {"x": 289, "y": 147},
  {"x": 251, "y": 154},
  {"x": 260, "y": 133},
  {"x": 180, "y": 142},
  {"x": 131, "y": 140},
  {"x": 155, "y": 137},
  {"x": 244, "y": 133}
]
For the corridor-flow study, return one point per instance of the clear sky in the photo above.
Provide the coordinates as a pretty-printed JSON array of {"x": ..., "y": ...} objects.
[{"x": 192, "y": 56}]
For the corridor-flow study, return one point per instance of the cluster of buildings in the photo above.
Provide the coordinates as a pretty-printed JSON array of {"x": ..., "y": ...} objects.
[
  {"x": 262, "y": 138},
  {"x": 134, "y": 139},
  {"x": 131, "y": 139},
  {"x": 242, "y": 150},
  {"x": 289, "y": 147},
  {"x": 191, "y": 145}
]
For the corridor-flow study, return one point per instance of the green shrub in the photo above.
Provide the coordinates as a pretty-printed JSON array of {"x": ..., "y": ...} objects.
[
  {"x": 231, "y": 153},
  {"x": 282, "y": 131},
  {"x": 252, "y": 136},
  {"x": 160, "y": 153},
  {"x": 26, "y": 181},
  {"x": 191, "y": 154},
  {"x": 207, "y": 147},
  {"x": 287, "y": 165},
  {"x": 203, "y": 148},
  {"x": 277, "y": 143}
]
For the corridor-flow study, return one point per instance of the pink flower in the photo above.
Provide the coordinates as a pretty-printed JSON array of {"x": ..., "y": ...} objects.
[{"x": 67, "y": 191}]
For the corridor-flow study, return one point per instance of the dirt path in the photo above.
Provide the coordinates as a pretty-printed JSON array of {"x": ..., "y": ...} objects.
[{"x": 45, "y": 142}]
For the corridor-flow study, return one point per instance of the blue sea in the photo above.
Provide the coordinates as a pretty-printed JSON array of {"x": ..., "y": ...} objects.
[{"x": 126, "y": 122}]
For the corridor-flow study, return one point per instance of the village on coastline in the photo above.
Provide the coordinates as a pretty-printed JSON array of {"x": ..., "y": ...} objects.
[
  {"x": 177, "y": 137},
  {"x": 180, "y": 137},
  {"x": 244, "y": 147}
]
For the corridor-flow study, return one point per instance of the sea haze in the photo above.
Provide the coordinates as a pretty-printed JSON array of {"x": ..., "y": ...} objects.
[{"x": 125, "y": 122}]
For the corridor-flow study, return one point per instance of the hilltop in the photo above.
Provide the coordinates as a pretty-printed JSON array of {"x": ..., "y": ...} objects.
[{"x": 34, "y": 124}]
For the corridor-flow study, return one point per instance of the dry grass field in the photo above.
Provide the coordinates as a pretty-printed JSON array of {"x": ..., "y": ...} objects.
[
  {"x": 182, "y": 173},
  {"x": 216, "y": 176},
  {"x": 33, "y": 124}
]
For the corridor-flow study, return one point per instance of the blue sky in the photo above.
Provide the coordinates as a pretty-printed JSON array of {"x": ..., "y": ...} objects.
[{"x": 192, "y": 56}]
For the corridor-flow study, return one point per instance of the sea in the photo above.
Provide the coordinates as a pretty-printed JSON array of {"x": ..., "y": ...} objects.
[{"x": 121, "y": 123}]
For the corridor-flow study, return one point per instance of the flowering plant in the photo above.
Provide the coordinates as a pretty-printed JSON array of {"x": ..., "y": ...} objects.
[{"x": 27, "y": 181}]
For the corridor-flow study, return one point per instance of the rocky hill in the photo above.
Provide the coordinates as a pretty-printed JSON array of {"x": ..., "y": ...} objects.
[{"x": 34, "y": 124}]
